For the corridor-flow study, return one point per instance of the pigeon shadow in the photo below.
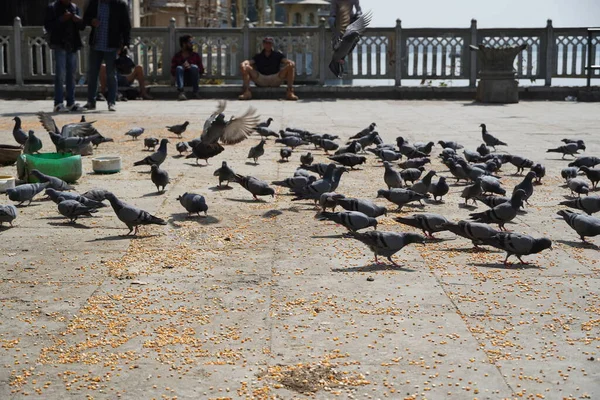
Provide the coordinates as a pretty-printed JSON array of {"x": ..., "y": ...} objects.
[
  {"x": 120, "y": 237},
  {"x": 477, "y": 104},
  {"x": 507, "y": 267},
  {"x": 470, "y": 250},
  {"x": 144, "y": 172},
  {"x": 374, "y": 267},
  {"x": 249, "y": 201},
  {"x": 25, "y": 206},
  {"x": 338, "y": 236},
  {"x": 220, "y": 188},
  {"x": 251, "y": 163},
  {"x": 467, "y": 206},
  {"x": 272, "y": 213},
  {"x": 579, "y": 245},
  {"x": 69, "y": 224},
  {"x": 153, "y": 194},
  {"x": 198, "y": 165},
  {"x": 283, "y": 161},
  {"x": 201, "y": 219},
  {"x": 179, "y": 156}
]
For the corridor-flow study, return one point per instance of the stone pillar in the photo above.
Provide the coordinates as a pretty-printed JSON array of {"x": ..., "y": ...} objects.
[{"x": 497, "y": 83}]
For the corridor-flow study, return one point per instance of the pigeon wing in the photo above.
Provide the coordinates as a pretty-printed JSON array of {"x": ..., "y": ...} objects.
[
  {"x": 220, "y": 108},
  {"x": 48, "y": 122},
  {"x": 238, "y": 129},
  {"x": 359, "y": 25}
]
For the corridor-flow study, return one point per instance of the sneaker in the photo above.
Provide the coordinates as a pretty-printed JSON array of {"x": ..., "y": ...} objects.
[
  {"x": 100, "y": 97},
  {"x": 111, "y": 107},
  {"x": 90, "y": 106},
  {"x": 290, "y": 95},
  {"x": 181, "y": 96},
  {"x": 60, "y": 108},
  {"x": 246, "y": 95},
  {"x": 196, "y": 95},
  {"x": 76, "y": 108}
]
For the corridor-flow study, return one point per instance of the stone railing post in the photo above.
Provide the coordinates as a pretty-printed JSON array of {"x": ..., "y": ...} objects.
[
  {"x": 17, "y": 53},
  {"x": 473, "y": 57},
  {"x": 398, "y": 54},
  {"x": 550, "y": 47},
  {"x": 246, "y": 41},
  {"x": 322, "y": 51},
  {"x": 171, "y": 48}
]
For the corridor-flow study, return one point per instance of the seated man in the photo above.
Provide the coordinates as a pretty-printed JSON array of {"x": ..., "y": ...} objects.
[
  {"x": 265, "y": 69},
  {"x": 127, "y": 72},
  {"x": 186, "y": 67}
]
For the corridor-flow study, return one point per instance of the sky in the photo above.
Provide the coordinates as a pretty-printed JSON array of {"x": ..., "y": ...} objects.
[{"x": 488, "y": 13}]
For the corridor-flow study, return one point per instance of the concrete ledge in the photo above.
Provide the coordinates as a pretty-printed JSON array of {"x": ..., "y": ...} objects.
[{"x": 44, "y": 91}]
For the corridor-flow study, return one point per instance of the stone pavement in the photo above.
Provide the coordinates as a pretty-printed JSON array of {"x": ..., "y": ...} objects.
[{"x": 260, "y": 300}]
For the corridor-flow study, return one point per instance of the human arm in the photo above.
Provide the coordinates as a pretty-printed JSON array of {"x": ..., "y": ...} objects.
[
  {"x": 197, "y": 60},
  {"x": 76, "y": 18},
  {"x": 125, "y": 25},
  {"x": 51, "y": 20}
]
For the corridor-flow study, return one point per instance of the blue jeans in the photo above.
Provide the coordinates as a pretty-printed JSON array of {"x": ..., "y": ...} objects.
[
  {"x": 65, "y": 63},
  {"x": 96, "y": 58},
  {"x": 189, "y": 76}
]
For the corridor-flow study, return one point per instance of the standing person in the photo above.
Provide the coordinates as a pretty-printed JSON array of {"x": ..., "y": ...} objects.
[
  {"x": 63, "y": 23},
  {"x": 111, "y": 30},
  {"x": 269, "y": 68},
  {"x": 186, "y": 67}
]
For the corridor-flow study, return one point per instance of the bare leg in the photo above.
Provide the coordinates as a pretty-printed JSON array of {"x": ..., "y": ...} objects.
[
  {"x": 138, "y": 73},
  {"x": 248, "y": 73}
]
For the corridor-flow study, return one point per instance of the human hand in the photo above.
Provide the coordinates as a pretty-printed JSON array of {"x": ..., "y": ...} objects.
[
  {"x": 66, "y": 16},
  {"x": 95, "y": 23},
  {"x": 186, "y": 65},
  {"x": 75, "y": 18}
]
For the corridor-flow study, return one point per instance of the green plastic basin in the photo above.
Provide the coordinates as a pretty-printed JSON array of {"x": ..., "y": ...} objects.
[{"x": 64, "y": 166}]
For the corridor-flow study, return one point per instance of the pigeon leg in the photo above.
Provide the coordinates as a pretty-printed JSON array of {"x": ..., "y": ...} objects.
[
  {"x": 583, "y": 239},
  {"x": 393, "y": 262},
  {"x": 130, "y": 230},
  {"x": 521, "y": 260},
  {"x": 255, "y": 198},
  {"x": 506, "y": 259}
]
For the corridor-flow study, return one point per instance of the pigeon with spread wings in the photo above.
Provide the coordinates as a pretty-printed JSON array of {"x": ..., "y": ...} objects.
[
  {"x": 82, "y": 129},
  {"x": 347, "y": 42},
  {"x": 237, "y": 129}
]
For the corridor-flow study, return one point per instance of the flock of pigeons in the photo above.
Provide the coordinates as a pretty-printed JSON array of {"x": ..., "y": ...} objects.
[{"x": 318, "y": 182}]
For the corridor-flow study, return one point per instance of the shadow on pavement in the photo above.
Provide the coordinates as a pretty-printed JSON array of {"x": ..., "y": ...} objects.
[{"x": 373, "y": 268}]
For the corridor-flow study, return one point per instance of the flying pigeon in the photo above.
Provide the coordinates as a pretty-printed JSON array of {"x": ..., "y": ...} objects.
[
  {"x": 489, "y": 139},
  {"x": 347, "y": 42},
  {"x": 387, "y": 244},
  {"x": 178, "y": 129},
  {"x": 233, "y": 131},
  {"x": 193, "y": 203},
  {"x": 82, "y": 129},
  {"x": 159, "y": 177},
  {"x": 132, "y": 216},
  {"x": 157, "y": 157}
]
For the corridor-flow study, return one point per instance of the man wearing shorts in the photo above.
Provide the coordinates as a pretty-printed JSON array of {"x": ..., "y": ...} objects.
[
  {"x": 269, "y": 68},
  {"x": 127, "y": 72}
]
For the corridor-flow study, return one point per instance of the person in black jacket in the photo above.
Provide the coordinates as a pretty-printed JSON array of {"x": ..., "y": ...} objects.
[
  {"x": 62, "y": 24},
  {"x": 111, "y": 30}
]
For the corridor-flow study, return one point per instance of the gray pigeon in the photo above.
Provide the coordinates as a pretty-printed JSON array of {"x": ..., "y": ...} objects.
[
  {"x": 540, "y": 172},
  {"x": 566, "y": 150},
  {"x": 33, "y": 144},
  {"x": 365, "y": 131},
  {"x": 502, "y": 213},
  {"x": 346, "y": 43},
  {"x": 472, "y": 156},
  {"x": 589, "y": 204},
  {"x": 412, "y": 174},
  {"x": 471, "y": 192},
  {"x": 414, "y": 163},
  {"x": 306, "y": 159},
  {"x": 99, "y": 139},
  {"x": 132, "y": 216},
  {"x": 439, "y": 189},
  {"x": 593, "y": 174},
  {"x": 386, "y": 154},
  {"x": 150, "y": 143},
  {"x": 329, "y": 200},
  {"x": 391, "y": 177},
  {"x": 387, "y": 244},
  {"x": 53, "y": 182},
  {"x": 8, "y": 213},
  {"x": 352, "y": 220},
  {"x": 483, "y": 150},
  {"x": 586, "y": 161},
  {"x": 224, "y": 173},
  {"x": 291, "y": 141},
  {"x": 584, "y": 225},
  {"x": 492, "y": 201},
  {"x": 318, "y": 168},
  {"x": 81, "y": 129},
  {"x": 348, "y": 160},
  {"x": 72, "y": 209},
  {"x": 579, "y": 186},
  {"x": 526, "y": 185},
  {"x": 255, "y": 186},
  {"x": 18, "y": 132},
  {"x": 257, "y": 151},
  {"x": 354, "y": 147},
  {"x": 475, "y": 231},
  {"x": 181, "y": 147},
  {"x": 265, "y": 124},
  {"x": 401, "y": 197},
  {"x": 72, "y": 144},
  {"x": 265, "y": 132},
  {"x": 135, "y": 132},
  {"x": 159, "y": 177},
  {"x": 314, "y": 190},
  {"x": 520, "y": 162},
  {"x": 295, "y": 182},
  {"x": 217, "y": 129},
  {"x": 518, "y": 245},
  {"x": 450, "y": 145},
  {"x": 366, "y": 207},
  {"x": 55, "y": 194},
  {"x": 422, "y": 186},
  {"x": 328, "y": 145},
  {"x": 429, "y": 223},
  {"x": 96, "y": 194},
  {"x": 569, "y": 173},
  {"x": 178, "y": 129},
  {"x": 489, "y": 139},
  {"x": 157, "y": 157},
  {"x": 193, "y": 203},
  {"x": 26, "y": 192}
]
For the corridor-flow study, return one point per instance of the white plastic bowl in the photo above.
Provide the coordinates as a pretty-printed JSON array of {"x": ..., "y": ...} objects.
[
  {"x": 106, "y": 164},
  {"x": 6, "y": 182}
]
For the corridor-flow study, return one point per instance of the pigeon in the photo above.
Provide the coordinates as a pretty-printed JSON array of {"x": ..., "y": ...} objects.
[
  {"x": 387, "y": 244},
  {"x": 526, "y": 185},
  {"x": 366, "y": 207},
  {"x": 255, "y": 186},
  {"x": 354, "y": 147},
  {"x": 264, "y": 124},
  {"x": 178, "y": 129},
  {"x": 346, "y": 43},
  {"x": 483, "y": 150},
  {"x": 457, "y": 171},
  {"x": 349, "y": 160},
  {"x": 372, "y": 139},
  {"x": 306, "y": 159},
  {"x": 132, "y": 216},
  {"x": 328, "y": 145},
  {"x": 502, "y": 213},
  {"x": 157, "y": 157},
  {"x": 337, "y": 175},
  {"x": 584, "y": 225},
  {"x": 422, "y": 186},
  {"x": 429, "y": 223},
  {"x": 492, "y": 201},
  {"x": 233, "y": 131},
  {"x": 569, "y": 173},
  {"x": 96, "y": 194},
  {"x": 588, "y": 204},
  {"x": 265, "y": 132},
  {"x": 424, "y": 148},
  {"x": 401, "y": 197},
  {"x": 134, "y": 132},
  {"x": 391, "y": 177},
  {"x": 72, "y": 209},
  {"x": 257, "y": 151},
  {"x": 291, "y": 141},
  {"x": 8, "y": 213},
  {"x": 450, "y": 145},
  {"x": 295, "y": 182},
  {"x": 26, "y": 192},
  {"x": 408, "y": 150},
  {"x": 285, "y": 154},
  {"x": 386, "y": 155},
  {"x": 471, "y": 156},
  {"x": 203, "y": 151},
  {"x": 81, "y": 129},
  {"x": 99, "y": 139},
  {"x": 181, "y": 147},
  {"x": 365, "y": 131},
  {"x": 414, "y": 163},
  {"x": 489, "y": 139},
  {"x": 585, "y": 161},
  {"x": 319, "y": 168},
  {"x": 53, "y": 182},
  {"x": 439, "y": 189},
  {"x": 518, "y": 245},
  {"x": 352, "y": 220},
  {"x": 224, "y": 173},
  {"x": 33, "y": 144},
  {"x": 315, "y": 189},
  {"x": 593, "y": 174},
  {"x": 579, "y": 186},
  {"x": 55, "y": 194},
  {"x": 71, "y": 144},
  {"x": 150, "y": 143},
  {"x": 18, "y": 133},
  {"x": 477, "y": 232},
  {"x": 521, "y": 163},
  {"x": 578, "y": 141},
  {"x": 193, "y": 203},
  {"x": 567, "y": 149},
  {"x": 412, "y": 174},
  {"x": 159, "y": 177},
  {"x": 472, "y": 192},
  {"x": 540, "y": 172},
  {"x": 329, "y": 200},
  {"x": 287, "y": 134}
]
